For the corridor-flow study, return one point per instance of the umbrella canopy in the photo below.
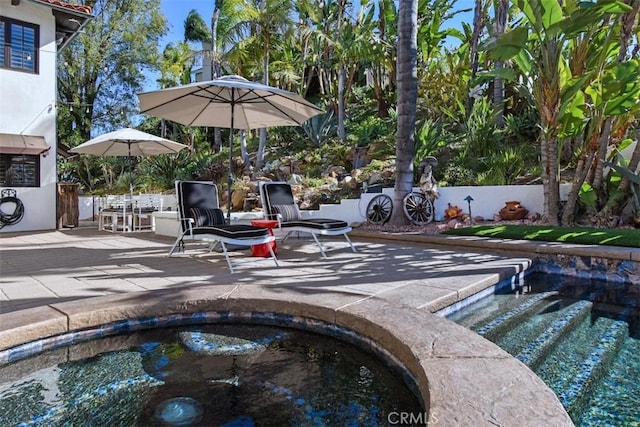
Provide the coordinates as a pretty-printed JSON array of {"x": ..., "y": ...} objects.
[
  {"x": 228, "y": 102},
  {"x": 128, "y": 142}
]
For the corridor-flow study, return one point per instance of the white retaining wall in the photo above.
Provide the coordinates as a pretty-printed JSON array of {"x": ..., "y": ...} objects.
[{"x": 487, "y": 201}]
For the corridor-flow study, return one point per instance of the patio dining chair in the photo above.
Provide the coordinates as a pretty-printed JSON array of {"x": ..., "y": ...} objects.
[
  {"x": 202, "y": 220},
  {"x": 115, "y": 214},
  {"x": 144, "y": 205},
  {"x": 279, "y": 204}
]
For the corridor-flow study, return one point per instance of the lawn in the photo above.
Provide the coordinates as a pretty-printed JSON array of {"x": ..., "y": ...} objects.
[{"x": 587, "y": 236}]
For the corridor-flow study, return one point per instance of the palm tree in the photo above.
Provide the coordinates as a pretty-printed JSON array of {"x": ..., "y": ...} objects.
[
  {"x": 196, "y": 30},
  {"x": 175, "y": 69},
  {"x": 479, "y": 20},
  {"x": 538, "y": 45},
  {"x": 383, "y": 53},
  {"x": 407, "y": 98},
  {"x": 260, "y": 29},
  {"x": 544, "y": 50},
  {"x": 354, "y": 35},
  {"x": 214, "y": 41},
  {"x": 501, "y": 8}
]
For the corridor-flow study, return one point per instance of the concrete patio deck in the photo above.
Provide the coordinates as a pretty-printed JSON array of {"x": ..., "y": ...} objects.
[
  {"x": 44, "y": 268},
  {"x": 59, "y": 281}
]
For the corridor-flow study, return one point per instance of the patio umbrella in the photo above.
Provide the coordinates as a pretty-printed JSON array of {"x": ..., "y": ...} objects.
[
  {"x": 128, "y": 142},
  {"x": 228, "y": 102}
]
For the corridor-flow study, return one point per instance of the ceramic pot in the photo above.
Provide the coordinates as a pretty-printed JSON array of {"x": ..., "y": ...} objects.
[{"x": 513, "y": 210}]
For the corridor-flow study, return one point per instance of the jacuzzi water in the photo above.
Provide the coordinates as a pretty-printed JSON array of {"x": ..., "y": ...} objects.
[
  {"x": 205, "y": 375},
  {"x": 582, "y": 337}
]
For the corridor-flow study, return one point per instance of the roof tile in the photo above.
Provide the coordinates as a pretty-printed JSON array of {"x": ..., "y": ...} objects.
[{"x": 76, "y": 7}]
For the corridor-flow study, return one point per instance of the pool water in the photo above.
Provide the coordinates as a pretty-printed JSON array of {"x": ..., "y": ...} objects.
[
  {"x": 582, "y": 337},
  {"x": 206, "y": 375}
]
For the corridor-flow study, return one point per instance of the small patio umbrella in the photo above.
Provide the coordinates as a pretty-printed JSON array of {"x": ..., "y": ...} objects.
[
  {"x": 128, "y": 142},
  {"x": 228, "y": 102}
]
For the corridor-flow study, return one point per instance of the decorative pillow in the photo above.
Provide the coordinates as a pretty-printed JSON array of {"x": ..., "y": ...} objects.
[
  {"x": 207, "y": 217},
  {"x": 288, "y": 212}
]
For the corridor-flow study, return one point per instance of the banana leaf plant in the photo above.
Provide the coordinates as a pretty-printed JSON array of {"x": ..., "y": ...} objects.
[
  {"x": 634, "y": 186},
  {"x": 536, "y": 44}
]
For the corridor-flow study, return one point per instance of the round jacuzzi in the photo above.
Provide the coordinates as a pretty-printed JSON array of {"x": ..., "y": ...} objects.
[{"x": 206, "y": 369}]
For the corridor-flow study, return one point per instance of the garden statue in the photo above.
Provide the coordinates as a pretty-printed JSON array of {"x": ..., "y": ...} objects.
[{"x": 428, "y": 184}]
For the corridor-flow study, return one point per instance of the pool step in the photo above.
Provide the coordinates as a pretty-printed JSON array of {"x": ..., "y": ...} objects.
[
  {"x": 576, "y": 393},
  {"x": 517, "y": 334},
  {"x": 538, "y": 349},
  {"x": 504, "y": 321},
  {"x": 617, "y": 399}
]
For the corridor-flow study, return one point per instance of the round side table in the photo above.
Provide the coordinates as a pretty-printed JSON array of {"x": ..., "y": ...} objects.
[{"x": 262, "y": 250}]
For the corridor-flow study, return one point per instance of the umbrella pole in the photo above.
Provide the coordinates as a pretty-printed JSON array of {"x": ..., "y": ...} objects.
[
  {"x": 130, "y": 171},
  {"x": 230, "y": 176}
]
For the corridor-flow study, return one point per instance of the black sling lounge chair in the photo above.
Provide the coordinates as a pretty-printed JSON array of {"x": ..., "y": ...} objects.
[
  {"x": 202, "y": 220},
  {"x": 279, "y": 204}
]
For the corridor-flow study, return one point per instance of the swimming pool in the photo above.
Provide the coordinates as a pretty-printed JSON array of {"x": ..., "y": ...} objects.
[
  {"x": 226, "y": 375},
  {"x": 582, "y": 337}
]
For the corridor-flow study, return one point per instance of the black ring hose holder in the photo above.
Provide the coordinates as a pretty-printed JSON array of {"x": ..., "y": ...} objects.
[{"x": 9, "y": 196}]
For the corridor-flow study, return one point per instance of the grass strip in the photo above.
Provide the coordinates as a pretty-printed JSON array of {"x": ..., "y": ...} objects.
[{"x": 580, "y": 235}]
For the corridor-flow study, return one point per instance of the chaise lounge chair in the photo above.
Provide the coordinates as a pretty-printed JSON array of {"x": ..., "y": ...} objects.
[
  {"x": 201, "y": 219},
  {"x": 279, "y": 204}
]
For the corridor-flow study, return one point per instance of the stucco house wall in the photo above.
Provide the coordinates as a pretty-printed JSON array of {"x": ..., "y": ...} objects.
[{"x": 28, "y": 107}]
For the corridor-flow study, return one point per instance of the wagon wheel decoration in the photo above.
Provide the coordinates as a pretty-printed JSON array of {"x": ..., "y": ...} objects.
[
  {"x": 418, "y": 208},
  {"x": 379, "y": 209}
]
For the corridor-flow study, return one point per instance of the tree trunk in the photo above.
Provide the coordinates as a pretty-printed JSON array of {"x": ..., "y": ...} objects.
[
  {"x": 217, "y": 140},
  {"x": 478, "y": 23},
  {"x": 549, "y": 107},
  {"x": 548, "y": 98},
  {"x": 263, "y": 132},
  {"x": 502, "y": 10},
  {"x": 244, "y": 152},
  {"x": 215, "y": 67},
  {"x": 585, "y": 171},
  {"x": 603, "y": 143},
  {"x": 551, "y": 190},
  {"x": 407, "y": 76},
  {"x": 568, "y": 213},
  {"x": 341, "y": 76}
]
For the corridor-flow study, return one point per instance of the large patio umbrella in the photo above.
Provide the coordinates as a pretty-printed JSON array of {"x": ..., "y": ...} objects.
[
  {"x": 228, "y": 102},
  {"x": 128, "y": 142}
]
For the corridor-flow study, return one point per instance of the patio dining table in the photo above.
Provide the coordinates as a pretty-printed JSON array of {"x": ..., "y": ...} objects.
[{"x": 128, "y": 214}]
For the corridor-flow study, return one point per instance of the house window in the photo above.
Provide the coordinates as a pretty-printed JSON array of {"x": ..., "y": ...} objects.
[
  {"x": 19, "y": 170},
  {"x": 20, "y": 41}
]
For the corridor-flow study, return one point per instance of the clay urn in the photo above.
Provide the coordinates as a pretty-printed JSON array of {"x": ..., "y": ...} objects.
[{"x": 513, "y": 210}]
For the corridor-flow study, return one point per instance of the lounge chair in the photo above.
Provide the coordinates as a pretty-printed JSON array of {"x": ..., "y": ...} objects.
[
  {"x": 202, "y": 220},
  {"x": 279, "y": 204}
]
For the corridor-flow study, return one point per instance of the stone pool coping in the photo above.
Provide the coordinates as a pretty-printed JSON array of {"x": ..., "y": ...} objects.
[{"x": 465, "y": 379}]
